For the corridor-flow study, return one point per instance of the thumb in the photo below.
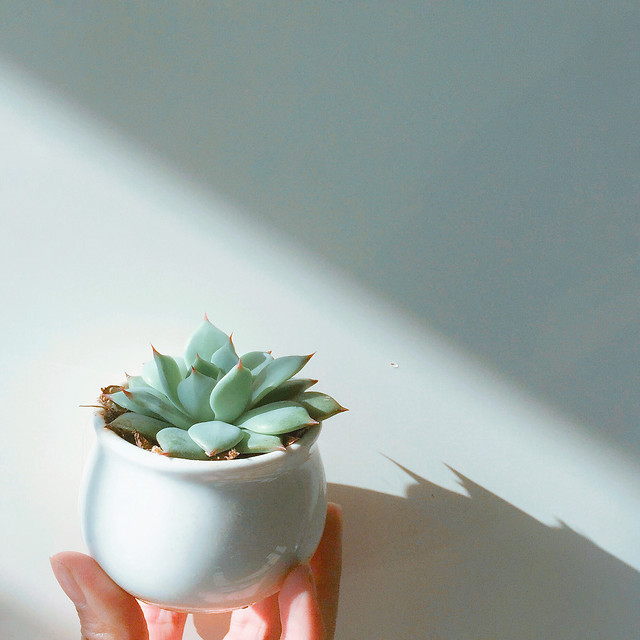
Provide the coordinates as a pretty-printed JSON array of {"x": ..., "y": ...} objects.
[
  {"x": 299, "y": 609},
  {"x": 105, "y": 610}
]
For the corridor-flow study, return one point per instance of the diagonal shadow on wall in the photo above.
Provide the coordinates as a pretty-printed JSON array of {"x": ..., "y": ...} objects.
[
  {"x": 459, "y": 567},
  {"x": 502, "y": 213},
  {"x": 440, "y": 565}
]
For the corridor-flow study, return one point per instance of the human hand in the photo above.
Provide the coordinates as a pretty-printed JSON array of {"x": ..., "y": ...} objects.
[{"x": 305, "y": 608}]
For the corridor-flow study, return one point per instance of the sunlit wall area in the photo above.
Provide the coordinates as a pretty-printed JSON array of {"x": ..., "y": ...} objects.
[
  {"x": 440, "y": 200},
  {"x": 496, "y": 145}
]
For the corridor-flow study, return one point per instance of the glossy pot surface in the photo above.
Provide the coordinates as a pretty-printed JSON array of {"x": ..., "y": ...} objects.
[{"x": 195, "y": 535}]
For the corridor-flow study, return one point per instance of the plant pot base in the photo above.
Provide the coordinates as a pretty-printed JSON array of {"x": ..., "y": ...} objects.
[{"x": 201, "y": 536}]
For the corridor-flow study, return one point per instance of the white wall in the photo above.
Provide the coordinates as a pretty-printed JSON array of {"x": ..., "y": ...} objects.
[{"x": 449, "y": 188}]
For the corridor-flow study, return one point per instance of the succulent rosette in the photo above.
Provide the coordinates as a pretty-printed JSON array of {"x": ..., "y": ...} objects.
[{"x": 212, "y": 403}]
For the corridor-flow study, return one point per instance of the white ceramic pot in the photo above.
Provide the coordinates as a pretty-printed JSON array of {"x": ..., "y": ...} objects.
[{"x": 206, "y": 536}]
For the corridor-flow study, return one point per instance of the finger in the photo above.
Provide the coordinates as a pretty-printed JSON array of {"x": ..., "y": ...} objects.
[
  {"x": 260, "y": 621},
  {"x": 326, "y": 565},
  {"x": 163, "y": 624},
  {"x": 105, "y": 610},
  {"x": 299, "y": 610}
]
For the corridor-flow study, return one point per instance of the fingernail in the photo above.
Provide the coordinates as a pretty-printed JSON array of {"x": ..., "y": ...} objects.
[
  {"x": 302, "y": 591},
  {"x": 68, "y": 582},
  {"x": 302, "y": 577},
  {"x": 302, "y": 572}
]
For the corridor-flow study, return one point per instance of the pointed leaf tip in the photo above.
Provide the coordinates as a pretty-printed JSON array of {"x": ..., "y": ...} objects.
[
  {"x": 127, "y": 393},
  {"x": 206, "y": 317}
]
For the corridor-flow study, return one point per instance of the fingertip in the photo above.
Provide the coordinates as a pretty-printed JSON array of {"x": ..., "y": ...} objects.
[
  {"x": 299, "y": 579},
  {"x": 103, "y": 607},
  {"x": 70, "y": 558},
  {"x": 327, "y": 565},
  {"x": 327, "y": 558},
  {"x": 66, "y": 579},
  {"x": 333, "y": 523},
  {"x": 89, "y": 575},
  {"x": 299, "y": 609}
]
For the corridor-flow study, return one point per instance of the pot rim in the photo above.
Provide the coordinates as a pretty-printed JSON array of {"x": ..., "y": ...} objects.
[{"x": 258, "y": 464}]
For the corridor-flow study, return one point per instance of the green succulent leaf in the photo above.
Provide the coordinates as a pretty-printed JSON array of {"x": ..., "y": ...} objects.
[
  {"x": 143, "y": 386},
  {"x": 182, "y": 365},
  {"x": 151, "y": 376},
  {"x": 207, "y": 368},
  {"x": 288, "y": 390},
  {"x": 258, "y": 443},
  {"x": 256, "y": 361},
  {"x": 274, "y": 374},
  {"x": 150, "y": 403},
  {"x": 126, "y": 400},
  {"x": 145, "y": 425},
  {"x": 223, "y": 401},
  {"x": 134, "y": 382},
  {"x": 194, "y": 393},
  {"x": 319, "y": 406},
  {"x": 178, "y": 444},
  {"x": 225, "y": 357},
  {"x": 276, "y": 418},
  {"x": 169, "y": 376},
  {"x": 215, "y": 436},
  {"x": 204, "y": 341},
  {"x": 230, "y": 396}
]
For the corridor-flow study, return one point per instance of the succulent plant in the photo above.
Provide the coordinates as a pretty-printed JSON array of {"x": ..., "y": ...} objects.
[{"x": 212, "y": 403}]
